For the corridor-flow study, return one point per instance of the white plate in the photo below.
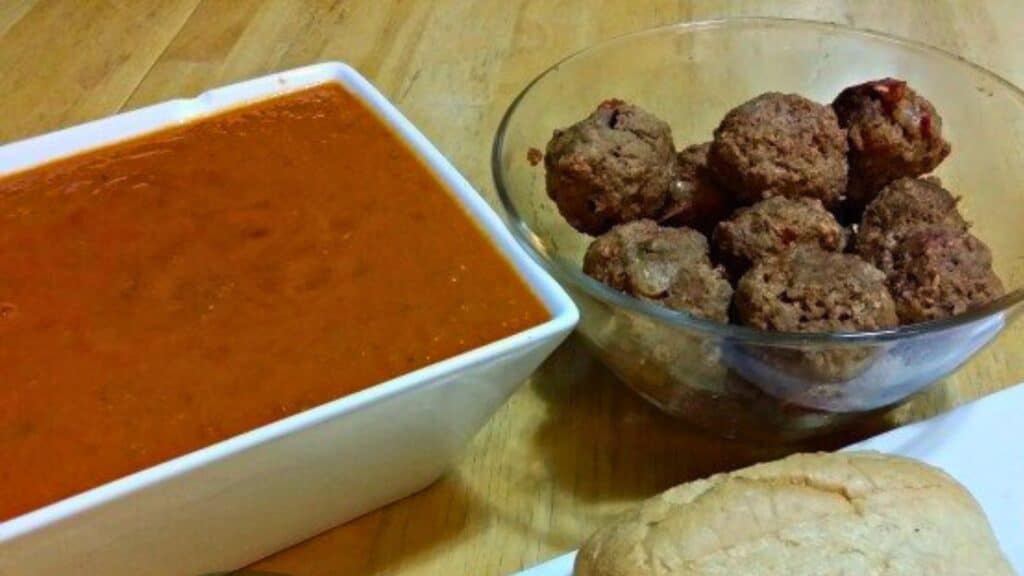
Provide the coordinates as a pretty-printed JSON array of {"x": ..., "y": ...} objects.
[{"x": 981, "y": 444}]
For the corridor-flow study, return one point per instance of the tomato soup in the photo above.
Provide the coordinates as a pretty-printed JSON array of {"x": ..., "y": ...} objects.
[{"x": 170, "y": 291}]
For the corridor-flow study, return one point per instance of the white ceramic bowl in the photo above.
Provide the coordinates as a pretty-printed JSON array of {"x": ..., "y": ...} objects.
[{"x": 232, "y": 503}]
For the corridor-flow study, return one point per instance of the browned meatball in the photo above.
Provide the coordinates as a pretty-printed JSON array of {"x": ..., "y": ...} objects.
[
  {"x": 614, "y": 166},
  {"x": 780, "y": 145},
  {"x": 893, "y": 133},
  {"x": 702, "y": 290},
  {"x": 771, "y": 227},
  {"x": 642, "y": 258},
  {"x": 695, "y": 199},
  {"x": 668, "y": 266},
  {"x": 940, "y": 272},
  {"x": 900, "y": 208},
  {"x": 808, "y": 289}
]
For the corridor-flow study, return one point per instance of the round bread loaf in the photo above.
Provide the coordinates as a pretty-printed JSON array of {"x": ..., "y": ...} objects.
[{"x": 806, "y": 515}]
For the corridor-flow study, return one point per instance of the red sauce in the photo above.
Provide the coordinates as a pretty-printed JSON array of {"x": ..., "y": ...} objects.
[{"x": 168, "y": 292}]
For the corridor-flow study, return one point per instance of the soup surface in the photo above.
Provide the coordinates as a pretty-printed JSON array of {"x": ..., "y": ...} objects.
[{"x": 170, "y": 291}]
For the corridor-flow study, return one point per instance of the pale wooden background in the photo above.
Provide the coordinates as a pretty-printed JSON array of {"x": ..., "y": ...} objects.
[{"x": 572, "y": 447}]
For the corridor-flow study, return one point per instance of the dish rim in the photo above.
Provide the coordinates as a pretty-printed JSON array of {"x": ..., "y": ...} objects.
[{"x": 574, "y": 276}]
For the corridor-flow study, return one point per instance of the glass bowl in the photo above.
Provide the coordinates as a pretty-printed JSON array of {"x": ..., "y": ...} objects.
[{"x": 739, "y": 381}]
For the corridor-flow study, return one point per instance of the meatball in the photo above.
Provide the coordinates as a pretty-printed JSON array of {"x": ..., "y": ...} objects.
[
  {"x": 808, "y": 289},
  {"x": 939, "y": 272},
  {"x": 695, "y": 199},
  {"x": 900, "y": 208},
  {"x": 614, "y": 166},
  {"x": 893, "y": 132},
  {"x": 702, "y": 290},
  {"x": 641, "y": 258},
  {"x": 780, "y": 145},
  {"x": 667, "y": 266},
  {"x": 771, "y": 227}
]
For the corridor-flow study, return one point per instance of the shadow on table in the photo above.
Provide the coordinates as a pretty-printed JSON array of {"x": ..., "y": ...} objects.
[
  {"x": 604, "y": 442},
  {"x": 383, "y": 541}
]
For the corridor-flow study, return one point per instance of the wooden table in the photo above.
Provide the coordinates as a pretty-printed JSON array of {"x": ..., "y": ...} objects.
[{"x": 572, "y": 447}]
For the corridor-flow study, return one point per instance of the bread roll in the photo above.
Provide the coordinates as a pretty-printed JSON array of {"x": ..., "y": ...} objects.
[{"x": 850, "y": 514}]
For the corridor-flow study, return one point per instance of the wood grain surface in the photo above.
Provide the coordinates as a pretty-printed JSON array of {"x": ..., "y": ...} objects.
[{"x": 573, "y": 446}]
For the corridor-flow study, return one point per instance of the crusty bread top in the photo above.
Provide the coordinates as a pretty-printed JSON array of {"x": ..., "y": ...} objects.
[{"x": 855, "y": 513}]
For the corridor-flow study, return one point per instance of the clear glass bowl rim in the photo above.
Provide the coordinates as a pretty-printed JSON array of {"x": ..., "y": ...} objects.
[{"x": 732, "y": 332}]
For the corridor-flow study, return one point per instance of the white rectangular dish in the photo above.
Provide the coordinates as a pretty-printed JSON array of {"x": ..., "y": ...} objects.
[
  {"x": 224, "y": 506},
  {"x": 975, "y": 443}
]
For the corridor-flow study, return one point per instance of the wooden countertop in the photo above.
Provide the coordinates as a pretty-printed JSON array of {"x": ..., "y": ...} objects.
[{"x": 573, "y": 446}]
